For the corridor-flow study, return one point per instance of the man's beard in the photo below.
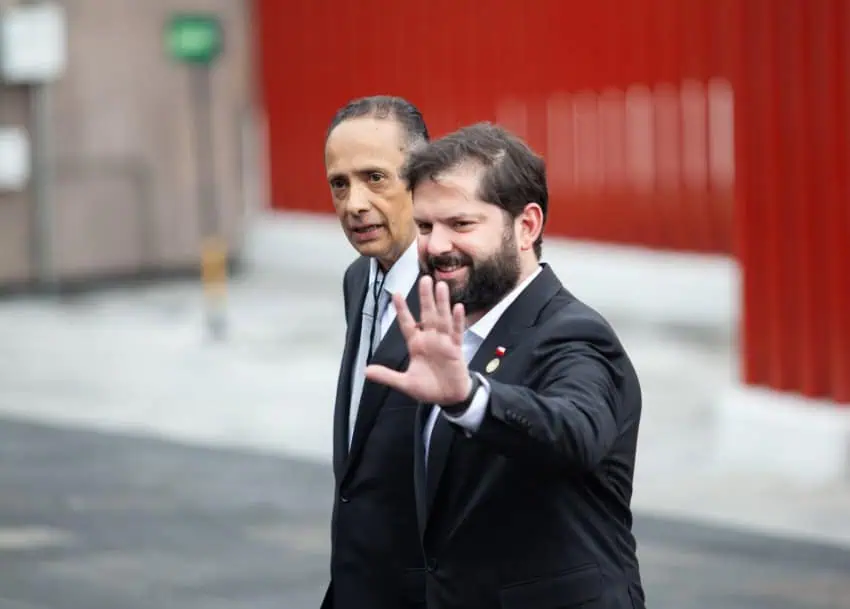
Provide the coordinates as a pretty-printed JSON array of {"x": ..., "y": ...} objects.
[{"x": 487, "y": 281}]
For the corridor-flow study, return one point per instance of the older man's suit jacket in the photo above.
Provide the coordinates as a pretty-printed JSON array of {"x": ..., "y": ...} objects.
[{"x": 376, "y": 560}]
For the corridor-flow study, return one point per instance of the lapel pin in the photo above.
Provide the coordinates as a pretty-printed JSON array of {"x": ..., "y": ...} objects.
[{"x": 494, "y": 363}]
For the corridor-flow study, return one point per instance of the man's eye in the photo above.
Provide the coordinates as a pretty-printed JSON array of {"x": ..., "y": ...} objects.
[
  {"x": 424, "y": 228},
  {"x": 337, "y": 184},
  {"x": 376, "y": 177}
]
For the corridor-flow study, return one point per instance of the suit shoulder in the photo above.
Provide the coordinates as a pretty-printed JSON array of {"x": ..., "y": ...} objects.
[
  {"x": 572, "y": 326},
  {"x": 568, "y": 318},
  {"x": 568, "y": 328},
  {"x": 358, "y": 265},
  {"x": 358, "y": 268}
]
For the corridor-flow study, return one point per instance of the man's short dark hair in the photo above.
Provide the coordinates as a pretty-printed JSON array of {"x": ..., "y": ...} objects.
[
  {"x": 387, "y": 107},
  {"x": 514, "y": 175}
]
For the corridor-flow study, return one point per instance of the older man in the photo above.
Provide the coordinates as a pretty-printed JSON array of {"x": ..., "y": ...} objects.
[{"x": 376, "y": 558}]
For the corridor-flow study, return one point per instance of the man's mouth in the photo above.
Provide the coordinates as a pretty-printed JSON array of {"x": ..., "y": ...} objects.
[
  {"x": 366, "y": 228},
  {"x": 448, "y": 270},
  {"x": 447, "y": 267}
]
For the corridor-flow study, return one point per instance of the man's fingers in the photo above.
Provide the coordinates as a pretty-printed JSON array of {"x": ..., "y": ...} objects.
[
  {"x": 427, "y": 306},
  {"x": 406, "y": 322},
  {"x": 444, "y": 308},
  {"x": 458, "y": 323},
  {"x": 385, "y": 376}
]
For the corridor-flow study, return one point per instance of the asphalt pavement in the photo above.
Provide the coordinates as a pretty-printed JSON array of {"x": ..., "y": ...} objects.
[{"x": 102, "y": 520}]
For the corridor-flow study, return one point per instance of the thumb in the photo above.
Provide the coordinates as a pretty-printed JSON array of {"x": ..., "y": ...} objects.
[{"x": 385, "y": 376}]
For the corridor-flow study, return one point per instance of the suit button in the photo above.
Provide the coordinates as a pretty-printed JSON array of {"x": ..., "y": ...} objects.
[
  {"x": 344, "y": 499},
  {"x": 432, "y": 565}
]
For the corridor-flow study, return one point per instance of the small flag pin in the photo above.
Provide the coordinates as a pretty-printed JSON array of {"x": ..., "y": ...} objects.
[{"x": 500, "y": 351}]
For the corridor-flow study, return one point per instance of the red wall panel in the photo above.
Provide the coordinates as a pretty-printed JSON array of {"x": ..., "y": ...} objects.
[
  {"x": 629, "y": 101},
  {"x": 793, "y": 198}
]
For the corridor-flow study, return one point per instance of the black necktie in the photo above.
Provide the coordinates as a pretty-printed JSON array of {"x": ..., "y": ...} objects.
[{"x": 377, "y": 292}]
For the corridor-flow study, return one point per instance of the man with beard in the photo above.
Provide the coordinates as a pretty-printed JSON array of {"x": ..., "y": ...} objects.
[
  {"x": 376, "y": 557},
  {"x": 530, "y": 407}
]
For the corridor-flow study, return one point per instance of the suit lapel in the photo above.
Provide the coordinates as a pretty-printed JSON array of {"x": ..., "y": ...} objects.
[
  {"x": 343, "y": 389},
  {"x": 521, "y": 315},
  {"x": 392, "y": 353}
]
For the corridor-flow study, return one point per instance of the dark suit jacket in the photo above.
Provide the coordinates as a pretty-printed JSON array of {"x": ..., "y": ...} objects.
[
  {"x": 376, "y": 558},
  {"x": 533, "y": 510}
]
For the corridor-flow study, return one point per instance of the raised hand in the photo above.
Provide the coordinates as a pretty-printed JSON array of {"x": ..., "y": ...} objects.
[{"x": 437, "y": 371}]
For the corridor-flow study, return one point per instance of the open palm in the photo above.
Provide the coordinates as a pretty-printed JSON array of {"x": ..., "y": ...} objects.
[{"x": 437, "y": 372}]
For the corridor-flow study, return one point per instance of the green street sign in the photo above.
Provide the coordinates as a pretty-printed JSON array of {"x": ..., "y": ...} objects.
[{"x": 194, "y": 38}]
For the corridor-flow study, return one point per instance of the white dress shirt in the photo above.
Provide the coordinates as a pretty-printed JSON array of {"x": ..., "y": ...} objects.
[
  {"x": 473, "y": 338},
  {"x": 400, "y": 278}
]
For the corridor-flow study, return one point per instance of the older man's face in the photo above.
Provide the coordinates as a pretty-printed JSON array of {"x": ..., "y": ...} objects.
[{"x": 363, "y": 158}]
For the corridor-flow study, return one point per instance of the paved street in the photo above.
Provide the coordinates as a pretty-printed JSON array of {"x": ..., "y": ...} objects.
[{"x": 94, "y": 520}]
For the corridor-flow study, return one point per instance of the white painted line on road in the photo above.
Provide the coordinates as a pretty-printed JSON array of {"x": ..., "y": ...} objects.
[{"x": 32, "y": 538}]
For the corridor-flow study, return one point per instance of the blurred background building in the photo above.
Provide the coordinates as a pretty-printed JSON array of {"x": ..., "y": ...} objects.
[
  {"x": 698, "y": 155},
  {"x": 113, "y": 190}
]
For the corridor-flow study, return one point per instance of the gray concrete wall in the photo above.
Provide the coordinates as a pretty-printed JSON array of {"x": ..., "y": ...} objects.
[{"x": 121, "y": 128}]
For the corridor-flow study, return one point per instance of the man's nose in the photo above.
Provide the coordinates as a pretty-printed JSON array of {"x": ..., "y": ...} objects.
[
  {"x": 439, "y": 241},
  {"x": 358, "y": 201}
]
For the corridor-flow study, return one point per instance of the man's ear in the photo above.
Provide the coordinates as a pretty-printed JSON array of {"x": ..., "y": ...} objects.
[{"x": 530, "y": 225}]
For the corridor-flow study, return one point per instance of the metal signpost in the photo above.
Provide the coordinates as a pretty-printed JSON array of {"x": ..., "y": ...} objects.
[{"x": 197, "y": 40}]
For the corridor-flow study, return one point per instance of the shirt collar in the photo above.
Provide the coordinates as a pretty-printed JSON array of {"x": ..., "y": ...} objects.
[
  {"x": 485, "y": 325},
  {"x": 402, "y": 275}
]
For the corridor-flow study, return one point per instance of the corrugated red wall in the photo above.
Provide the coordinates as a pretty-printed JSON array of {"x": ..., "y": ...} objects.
[
  {"x": 629, "y": 101},
  {"x": 793, "y": 203}
]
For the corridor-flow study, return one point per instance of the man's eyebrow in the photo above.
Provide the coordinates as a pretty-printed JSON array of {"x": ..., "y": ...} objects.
[
  {"x": 453, "y": 218},
  {"x": 366, "y": 169},
  {"x": 464, "y": 216},
  {"x": 373, "y": 169}
]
